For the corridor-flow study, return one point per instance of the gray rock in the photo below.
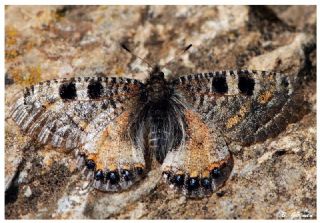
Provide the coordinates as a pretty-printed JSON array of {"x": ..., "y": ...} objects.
[{"x": 272, "y": 179}]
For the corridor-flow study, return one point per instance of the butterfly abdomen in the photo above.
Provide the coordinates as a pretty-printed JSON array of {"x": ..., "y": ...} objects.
[
  {"x": 157, "y": 143},
  {"x": 164, "y": 128}
]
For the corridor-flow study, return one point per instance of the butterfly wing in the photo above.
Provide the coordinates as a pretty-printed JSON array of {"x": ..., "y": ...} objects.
[
  {"x": 245, "y": 106},
  {"x": 58, "y": 112},
  {"x": 109, "y": 156},
  {"x": 202, "y": 162},
  {"x": 92, "y": 115},
  {"x": 221, "y": 108}
]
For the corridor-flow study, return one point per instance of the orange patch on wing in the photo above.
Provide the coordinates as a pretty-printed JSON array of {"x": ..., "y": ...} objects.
[
  {"x": 265, "y": 97},
  {"x": 219, "y": 163},
  {"x": 125, "y": 167},
  {"x": 112, "y": 167},
  {"x": 205, "y": 173},
  {"x": 199, "y": 143},
  {"x": 194, "y": 174},
  {"x": 234, "y": 120},
  {"x": 138, "y": 165},
  {"x": 179, "y": 172},
  {"x": 198, "y": 131},
  {"x": 113, "y": 142},
  {"x": 93, "y": 156}
]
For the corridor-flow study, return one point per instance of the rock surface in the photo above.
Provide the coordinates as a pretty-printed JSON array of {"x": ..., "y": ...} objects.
[{"x": 273, "y": 179}]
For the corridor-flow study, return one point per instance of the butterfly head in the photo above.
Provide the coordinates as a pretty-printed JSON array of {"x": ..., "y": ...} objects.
[
  {"x": 156, "y": 73},
  {"x": 156, "y": 85}
]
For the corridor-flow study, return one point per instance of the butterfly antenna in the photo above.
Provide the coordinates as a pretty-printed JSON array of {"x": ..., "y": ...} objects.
[
  {"x": 123, "y": 46},
  {"x": 179, "y": 54}
]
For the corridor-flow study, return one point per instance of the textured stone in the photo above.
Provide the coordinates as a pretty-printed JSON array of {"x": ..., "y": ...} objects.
[{"x": 272, "y": 179}]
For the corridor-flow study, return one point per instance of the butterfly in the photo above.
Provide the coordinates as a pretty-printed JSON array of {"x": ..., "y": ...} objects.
[{"x": 117, "y": 126}]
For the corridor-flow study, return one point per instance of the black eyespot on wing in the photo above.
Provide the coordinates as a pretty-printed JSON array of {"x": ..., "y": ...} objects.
[
  {"x": 113, "y": 177},
  {"x": 90, "y": 164},
  {"x": 219, "y": 84},
  {"x": 99, "y": 175},
  {"x": 95, "y": 89},
  {"x": 206, "y": 183},
  {"x": 216, "y": 173},
  {"x": 246, "y": 84},
  {"x": 127, "y": 175},
  {"x": 178, "y": 180},
  {"x": 193, "y": 183},
  {"x": 68, "y": 91}
]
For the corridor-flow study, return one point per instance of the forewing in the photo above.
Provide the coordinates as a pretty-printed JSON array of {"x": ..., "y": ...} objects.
[
  {"x": 58, "y": 112},
  {"x": 245, "y": 106}
]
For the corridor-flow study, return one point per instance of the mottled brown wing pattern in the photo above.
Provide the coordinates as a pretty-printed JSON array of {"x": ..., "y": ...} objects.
[
  {"x": 188, "y": 123},
  {"x": 110, "y": 158},
  {"x": 221, "y": 108},
  {"x": 62, "y": 112},
  {"x": 245, "y": 106},
  {"x": 202, "y": 162},
  {"x": 92, "y": 115}
]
